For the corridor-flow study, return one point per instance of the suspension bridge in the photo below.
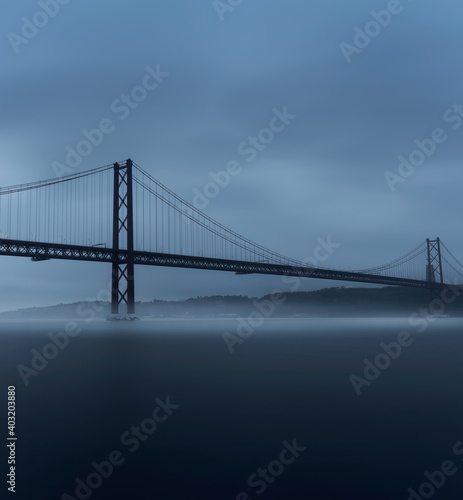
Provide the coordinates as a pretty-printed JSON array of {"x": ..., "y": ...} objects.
[{"x": 121, "y": 215}]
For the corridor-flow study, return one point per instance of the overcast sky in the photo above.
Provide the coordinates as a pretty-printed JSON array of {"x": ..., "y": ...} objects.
[{"x": 357, "y": 102}]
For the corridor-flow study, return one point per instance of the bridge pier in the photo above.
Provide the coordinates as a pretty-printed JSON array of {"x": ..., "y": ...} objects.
[
  {"x": 123, "y": 276},
  {"x": 434, "y": 270}
]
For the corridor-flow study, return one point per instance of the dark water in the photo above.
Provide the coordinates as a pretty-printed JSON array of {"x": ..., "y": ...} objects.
[{"x": 288, "y": 381}]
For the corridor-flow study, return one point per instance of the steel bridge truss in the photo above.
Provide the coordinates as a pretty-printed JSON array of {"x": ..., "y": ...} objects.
[{"x": 45, "y": 251}]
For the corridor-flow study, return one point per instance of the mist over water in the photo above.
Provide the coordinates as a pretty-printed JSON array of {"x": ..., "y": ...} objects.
[{"x": 290, "y": 379}]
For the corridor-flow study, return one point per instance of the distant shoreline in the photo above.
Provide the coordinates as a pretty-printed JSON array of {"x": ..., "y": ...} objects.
[{"x": 324, "y": 303}]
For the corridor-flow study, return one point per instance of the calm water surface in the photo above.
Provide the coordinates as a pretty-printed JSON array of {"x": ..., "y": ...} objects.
[{"x": 230, "y": 414}]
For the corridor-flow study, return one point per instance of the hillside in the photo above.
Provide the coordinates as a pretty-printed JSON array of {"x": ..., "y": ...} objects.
[{"x": 335, "y": 302}]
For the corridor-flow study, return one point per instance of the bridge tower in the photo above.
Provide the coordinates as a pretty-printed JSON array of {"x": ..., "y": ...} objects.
[
  {"x": 434, "y": 264},
  {"x": 123, "y": 284}
]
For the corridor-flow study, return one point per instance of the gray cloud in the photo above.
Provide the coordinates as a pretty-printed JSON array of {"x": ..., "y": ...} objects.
[{"x": 322, "y": 175}]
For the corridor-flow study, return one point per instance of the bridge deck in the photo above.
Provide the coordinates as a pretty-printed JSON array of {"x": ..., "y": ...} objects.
[{"x": 45, "y": 251}]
